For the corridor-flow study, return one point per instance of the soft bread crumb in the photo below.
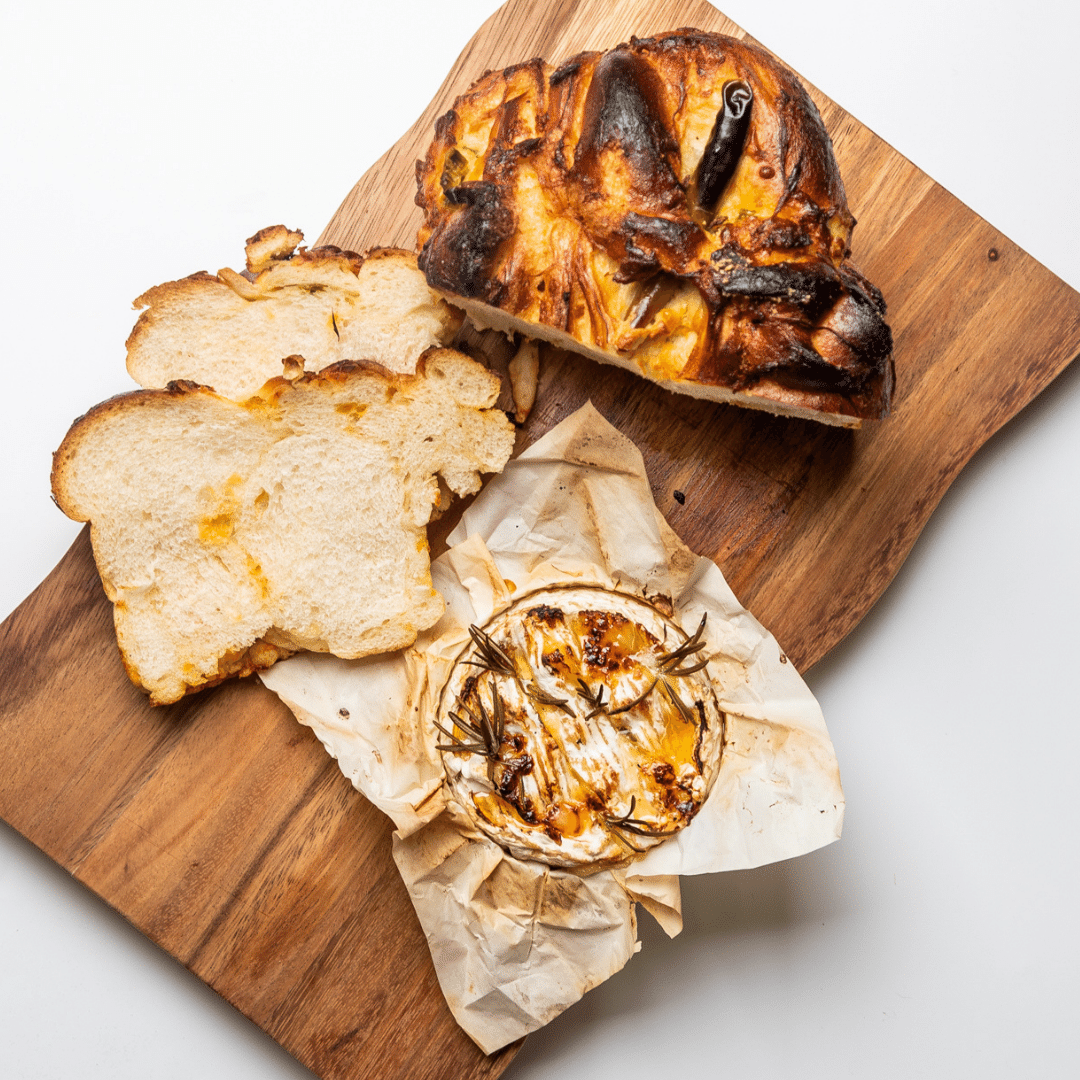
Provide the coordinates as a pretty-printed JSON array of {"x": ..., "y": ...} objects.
[
  {"x": 230, "y": 331},
  {"x": 230, "y": 534}
]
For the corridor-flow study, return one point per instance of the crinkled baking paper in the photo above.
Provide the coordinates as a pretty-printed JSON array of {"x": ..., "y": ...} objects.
[{"x": 515, "y": 942}]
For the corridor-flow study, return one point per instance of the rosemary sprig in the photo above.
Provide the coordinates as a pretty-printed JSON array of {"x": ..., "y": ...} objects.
[
  {"x": 595, "y": 700},
  {"x": 495, "y": 659},
  {"x": 670, "y": 661},
  {"x": 545, "y": 698},
  {"x": 669, "y": 668},
  {"x": 637, "y": 701},
  {"x": 485, "y": 731},
  {"x": 635, "y": 825},
  {"x": 456, "y": 743},
  {"x": 492, "y": 656},
  {"x": 686, "y": 712}
]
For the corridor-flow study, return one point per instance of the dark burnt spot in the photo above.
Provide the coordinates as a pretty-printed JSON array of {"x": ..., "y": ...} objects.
[
  {"x": 508, "y": 774},
  {"x": 703, "y": 726},
  {"x": 858, "y": 321},
  {"x": 680, "y": 497},
  {"x": 571, "y": 67},
  {"x": 468, "y": 690},
  {"x": 460, "y": 255},
  {"x": 785, "y": 234},
  {"x": 511, "y": 141},
  {"x": 595, "y": 651},
  {"x": 623, "y": 112},
  {"x": 810, "y": 285},
  {"x": 806, "y": 326},
  {"x": 793, "y": 362},
  {"x": 678, "y": 40},
  {"x": 454, "y": 171},
  {"x": 525, "y": 810},
  {"x": 663, "y": 772},
  {"x": 652, "y": 242},
  {"x": 444, "y": 125},
  {"x": 555, "y": 662},
  {"x": 544, "y": 613}
]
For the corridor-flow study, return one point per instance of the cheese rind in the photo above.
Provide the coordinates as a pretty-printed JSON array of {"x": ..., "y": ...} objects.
[{"x": 599, "y": 743}]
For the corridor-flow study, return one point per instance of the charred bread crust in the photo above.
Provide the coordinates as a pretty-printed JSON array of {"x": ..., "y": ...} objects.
[{"x": 595, "y": 200}]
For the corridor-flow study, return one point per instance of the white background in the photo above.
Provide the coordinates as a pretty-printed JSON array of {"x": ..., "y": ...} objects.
[{"x": 939, "y": 937}]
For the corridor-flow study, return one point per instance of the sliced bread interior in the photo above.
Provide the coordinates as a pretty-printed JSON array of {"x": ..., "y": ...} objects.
[
  {"x": 230, "y": 331},
  {"x": 230, "y": 534}
]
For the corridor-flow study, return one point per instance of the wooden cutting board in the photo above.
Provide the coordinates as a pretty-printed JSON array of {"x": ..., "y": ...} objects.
[{"x": 220, "y": 828}]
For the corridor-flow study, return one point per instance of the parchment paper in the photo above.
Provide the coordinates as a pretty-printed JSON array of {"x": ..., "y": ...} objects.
[{"x": 514, "y": 941}]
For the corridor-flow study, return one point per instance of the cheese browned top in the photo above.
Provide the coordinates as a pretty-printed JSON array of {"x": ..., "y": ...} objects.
[
  {"x": 580, "y": 727},
  {"x": 672, "y": 205}
]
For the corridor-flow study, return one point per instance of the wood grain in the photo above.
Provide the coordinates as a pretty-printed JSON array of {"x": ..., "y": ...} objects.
[{"x": 220, "y": 828}]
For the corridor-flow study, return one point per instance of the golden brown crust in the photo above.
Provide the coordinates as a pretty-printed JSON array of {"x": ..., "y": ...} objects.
[
  {"x": 596, "y": 200},
  {"x": 270, "y": 244},
  {"x": 260, "y": 656},
  {"x": 117, "y": 403}
]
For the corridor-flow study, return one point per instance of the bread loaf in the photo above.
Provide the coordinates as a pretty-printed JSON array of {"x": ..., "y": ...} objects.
[
  {"x": 229, "y": 534},
  {"x": 672, "y": 206},
  {"x": 231, "y": 331}
]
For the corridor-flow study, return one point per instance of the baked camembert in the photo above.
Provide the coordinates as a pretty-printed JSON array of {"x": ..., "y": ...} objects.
[{"x": 580, "y": 727}]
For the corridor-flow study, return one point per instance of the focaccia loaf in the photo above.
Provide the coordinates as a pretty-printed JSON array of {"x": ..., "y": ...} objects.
[
  {"x": 231, "y": 332},
  {"x": 672, "y": 206},
  {"x": 228, "y": 535}
]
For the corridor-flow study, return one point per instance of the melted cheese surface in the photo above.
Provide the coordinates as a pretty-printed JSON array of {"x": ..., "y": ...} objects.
[{"x": 597, "y": 747}]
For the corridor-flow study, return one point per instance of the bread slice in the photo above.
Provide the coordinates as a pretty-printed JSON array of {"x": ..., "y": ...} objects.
[
  {"x": 231, "y": 331},
  {"x": 229, "y": 534},
  {"x": 671, "y": 206}
]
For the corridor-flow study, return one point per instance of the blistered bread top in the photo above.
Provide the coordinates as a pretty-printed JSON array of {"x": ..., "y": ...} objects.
[
  {"x": 674, "y": 202},
  {"x": 581, "y": 727}
]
